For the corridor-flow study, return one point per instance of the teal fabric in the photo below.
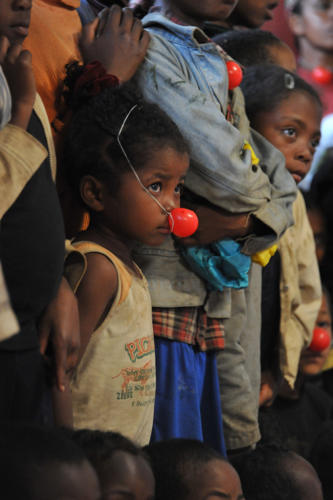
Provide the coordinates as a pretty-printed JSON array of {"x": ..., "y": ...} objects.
[{"x": 220, "y": 264}]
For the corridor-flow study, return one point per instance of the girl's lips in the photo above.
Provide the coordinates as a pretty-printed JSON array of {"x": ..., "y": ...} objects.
[{"x": 21, "y": 30}]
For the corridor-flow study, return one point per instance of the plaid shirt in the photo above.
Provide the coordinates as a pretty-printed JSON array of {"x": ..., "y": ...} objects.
[{"x": 190, "y": 325}]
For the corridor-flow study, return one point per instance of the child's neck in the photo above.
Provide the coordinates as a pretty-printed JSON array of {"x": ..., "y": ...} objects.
[
  {"x": 311, "y": 57},
  {"x": 115, "y": 243},
  {"x": 173, "y": 11}
]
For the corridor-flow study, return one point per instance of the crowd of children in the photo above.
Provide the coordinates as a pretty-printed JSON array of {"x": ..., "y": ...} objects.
[{"x": 165, "y": 288}]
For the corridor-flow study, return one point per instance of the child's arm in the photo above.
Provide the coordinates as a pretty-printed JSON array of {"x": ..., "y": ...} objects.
[
  {"x": 95, "y": 296},
  {"x": 17, "y": 67},
  {"x": 17, "y": 165}
]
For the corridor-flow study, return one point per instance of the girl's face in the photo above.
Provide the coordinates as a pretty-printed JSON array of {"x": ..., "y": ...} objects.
[
  {"x": 132, "y": 214},
  {"x": 125, "y": 477},
  {"x": 315, "y": 23},
  {"x": 311, "y": 363},
  {"x": 293, "y": 127}
]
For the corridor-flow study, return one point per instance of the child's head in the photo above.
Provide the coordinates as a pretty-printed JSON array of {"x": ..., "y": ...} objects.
[
  {"x": 122, "y": 467},
  {"x": 38, "y": 463},
  {"x": 186, "y": 469},
  {"x": 115, "y": 132},
  {"x": 197, "y": 11},
  {"x": 15, "y": 19},
  {"x": 311, "y": 363},
  {"x": 285, "y": 110},
  {"x": 311, "y": 21},
  {"x": 253, "y": 47},
  {"x": 253, "y": 13},
  {"x": 272, "y": 472}
]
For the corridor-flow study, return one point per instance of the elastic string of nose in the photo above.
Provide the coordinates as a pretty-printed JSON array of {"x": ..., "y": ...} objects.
[{"x": 135, "y": 172}]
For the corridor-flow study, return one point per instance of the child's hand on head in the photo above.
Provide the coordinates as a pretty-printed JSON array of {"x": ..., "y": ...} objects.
[
  {"x": 117, "y": 40},
  {"x": 17, "y": 67}
]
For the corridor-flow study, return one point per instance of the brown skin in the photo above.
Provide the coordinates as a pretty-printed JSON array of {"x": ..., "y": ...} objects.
[
  {"x": 311, "y": 363},
  {"x": 15, "y": 19},
  {"x": 60, "y": 323},
  {"x": 252, "y": 13},
  {"x": 118, "y": 41},
  {"x": 17, "y": 67},
  {"x": 66, "y": 481},
  {"x": 217, "y": 479},
  {"x": 313, "y": 28},
  {"x": 293, "y": 127},
  {"x": 283, "y": 56},
  {"x": 195, "y": 12},
  {"x": 126, "y": 476},
  {"x": 116, "y": 222}
]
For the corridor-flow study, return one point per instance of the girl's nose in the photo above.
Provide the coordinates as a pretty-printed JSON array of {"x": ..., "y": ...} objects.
[
  {"x": 306, "y": 153},
  {"x": 22, "y": 4}
]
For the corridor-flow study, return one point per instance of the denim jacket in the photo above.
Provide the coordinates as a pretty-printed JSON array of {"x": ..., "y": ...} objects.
[{"x": 185, "y": 74}]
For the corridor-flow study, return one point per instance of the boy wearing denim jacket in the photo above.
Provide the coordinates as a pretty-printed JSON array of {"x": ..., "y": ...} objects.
[{"x": 186, "y": 74}]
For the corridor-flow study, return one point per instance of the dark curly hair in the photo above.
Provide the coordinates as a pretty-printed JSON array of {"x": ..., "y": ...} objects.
[
  {"x": 273, "y": 472},
  {"x": 176, "y": 463},
  {"x": 249, "y": 47},
  {"x": 90, "y": 138},
  {"x": 265, "y": 86}
]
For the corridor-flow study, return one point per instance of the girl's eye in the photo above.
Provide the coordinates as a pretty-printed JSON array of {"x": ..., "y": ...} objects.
[
  {"x": 179, "y": 188},
  {"x": 290, "y": 132},
  {"x": 156, "y": 187},
  {"x": 315, "y": 142},
  {"x": 324, "y": 324}
]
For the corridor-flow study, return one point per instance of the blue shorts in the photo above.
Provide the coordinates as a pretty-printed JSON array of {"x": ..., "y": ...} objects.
[{"x": 188, "y": 402}]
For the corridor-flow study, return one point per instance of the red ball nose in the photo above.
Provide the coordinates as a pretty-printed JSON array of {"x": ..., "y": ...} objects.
[
  {"x": 235, "y": 74},
  {"x": 183, "y": 222},
  {"x": 320, "y": 340},
  {"x": 322, "y": 75}
]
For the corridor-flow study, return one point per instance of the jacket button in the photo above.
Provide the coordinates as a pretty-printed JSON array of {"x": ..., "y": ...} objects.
[{"x": 254, "y": 168}]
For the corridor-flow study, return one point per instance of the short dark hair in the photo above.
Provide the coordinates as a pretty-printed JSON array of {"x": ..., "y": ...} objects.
[
  {"x": 90, "y": 139},
  {"x": 24, "y": 450},
  {"x": 249, "y": 47},
  {"x": 264, "y": 474},
  {"x": 265, "y": 86},
  {"x": 99, "y": 446},
  {"x": 175, "y": 463}
]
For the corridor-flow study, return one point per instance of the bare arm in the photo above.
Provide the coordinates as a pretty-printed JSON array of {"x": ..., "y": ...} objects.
[{"x": 95, "y": 296}]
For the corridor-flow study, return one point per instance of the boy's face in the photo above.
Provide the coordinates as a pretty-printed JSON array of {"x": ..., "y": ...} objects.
[
  {"x": 253, "y": 13},
  {"x": 126, "y": 476},
  {"x": 293, "y": 127},
  {"x": 311, "y": 363},
  {"x": 315, "y": 23},
  {"x": 218, "y": 479},
  {"x": 15, "y": 19},
  {"x": 198, "y": 11}
]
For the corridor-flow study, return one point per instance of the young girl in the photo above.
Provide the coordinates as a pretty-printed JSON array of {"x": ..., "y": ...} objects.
[
  {"x": 127, "y": 161},
  {"x": 287, "y": 111}
]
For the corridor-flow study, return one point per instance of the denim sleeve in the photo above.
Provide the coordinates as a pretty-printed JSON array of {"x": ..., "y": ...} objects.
[{"x": 221, "y": 171}]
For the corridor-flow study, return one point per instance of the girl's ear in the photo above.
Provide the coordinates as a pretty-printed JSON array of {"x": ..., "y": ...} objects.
[
  {"x": 91, "y": 191},
  {"x": 296, "y": 24}
]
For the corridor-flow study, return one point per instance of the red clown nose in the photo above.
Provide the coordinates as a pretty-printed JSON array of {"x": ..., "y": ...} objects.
[
  {"x": 183, "y": 222},
  {"x": 322, "y": 75},
  {"x": 235, "y": 74},
  {"x": 320, "y": 340}
]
